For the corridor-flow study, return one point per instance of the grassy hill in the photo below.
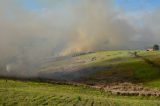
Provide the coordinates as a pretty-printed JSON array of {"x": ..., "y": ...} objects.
[
  {"x": 99, "y": 68},
  {"x": 128, "y": 67},
  {"x": 106, "y": 66}
]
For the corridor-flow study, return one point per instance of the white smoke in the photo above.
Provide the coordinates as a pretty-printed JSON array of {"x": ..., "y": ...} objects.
[{"x": 63, "y": 27}]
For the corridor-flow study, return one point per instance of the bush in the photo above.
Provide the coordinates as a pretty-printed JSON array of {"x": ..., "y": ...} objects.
[
  {"x": 79, "y": 98},
  {"x": 156, "y": 47}
]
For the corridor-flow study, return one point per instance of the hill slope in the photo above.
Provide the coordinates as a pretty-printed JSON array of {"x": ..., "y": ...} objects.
[
  {"x": 114, "y": 73},
  {"x": 105, "y": 66}
]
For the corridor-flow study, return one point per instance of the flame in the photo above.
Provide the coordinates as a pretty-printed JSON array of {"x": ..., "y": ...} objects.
[{"x": 80, "y": 44}]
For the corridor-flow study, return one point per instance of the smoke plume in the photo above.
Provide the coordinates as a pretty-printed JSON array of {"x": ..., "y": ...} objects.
[{"x": 63, "y": 27}]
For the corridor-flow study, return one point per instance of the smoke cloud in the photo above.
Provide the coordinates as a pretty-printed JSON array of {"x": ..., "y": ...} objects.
[{"x": 59, "y": 28}]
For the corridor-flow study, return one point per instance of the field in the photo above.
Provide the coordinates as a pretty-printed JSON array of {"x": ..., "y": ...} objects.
[
  {"x": 86, "y": 71},
  {"x": 27, "y": 93}
]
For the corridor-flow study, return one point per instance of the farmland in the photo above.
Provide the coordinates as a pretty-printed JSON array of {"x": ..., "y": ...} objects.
[
  {"x": 24, "y": 93},
  {"x": 80, "y": 76}
]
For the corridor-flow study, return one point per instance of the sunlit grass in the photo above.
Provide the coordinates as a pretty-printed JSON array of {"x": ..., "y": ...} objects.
[
  {"x": 119, "y": 65},
  {"x": 37, "y": 94}
]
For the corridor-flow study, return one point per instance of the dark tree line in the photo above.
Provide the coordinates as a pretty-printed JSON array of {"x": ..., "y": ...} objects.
[{"x": 156, "y": 47}]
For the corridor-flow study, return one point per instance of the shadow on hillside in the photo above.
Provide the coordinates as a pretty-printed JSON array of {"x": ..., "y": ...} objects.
[
  {"x": 109, "y": 73},
  {"x": 149, "y": 62},
  {"x": 83, "y": 74},
  {"x": 103, "y": 71},
  {"x": 75, "y": 75}
]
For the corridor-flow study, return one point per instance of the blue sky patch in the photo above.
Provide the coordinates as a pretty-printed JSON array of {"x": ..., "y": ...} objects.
[{"x": 137, "y": 5}]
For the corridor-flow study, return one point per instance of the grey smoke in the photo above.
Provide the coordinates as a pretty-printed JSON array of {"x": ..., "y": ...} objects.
[{"x": 64, "y": 27}]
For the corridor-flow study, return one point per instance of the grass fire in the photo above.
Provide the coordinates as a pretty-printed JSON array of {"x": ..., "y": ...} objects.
[{"x": 79, "y": 53}]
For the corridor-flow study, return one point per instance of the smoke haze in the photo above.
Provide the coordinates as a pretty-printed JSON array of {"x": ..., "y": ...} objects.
[{"x": 59, "y": 28}]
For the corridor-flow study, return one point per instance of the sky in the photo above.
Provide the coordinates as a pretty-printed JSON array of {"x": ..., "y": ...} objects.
[
  {"x": 32, "y": 30},
  {"x": 126, "y": 5},
  {"x": 137, "y": 5},
  {"x": 30, "y": 4}
]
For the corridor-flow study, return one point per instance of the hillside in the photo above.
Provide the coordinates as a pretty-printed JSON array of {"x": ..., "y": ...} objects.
[
  {"x": 119, "y": 72},
  {"x": 106, "y": 78},
  {"x": 105, "y": 66}
]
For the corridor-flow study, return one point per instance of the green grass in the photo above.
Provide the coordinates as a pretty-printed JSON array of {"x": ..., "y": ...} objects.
[
  {"x": 112, "y": 66},
  {"x": 153, "y": 83},
  {"x": 120, "y": 62},
  {"x": 118, "y": 65},
  {"x": 123, "y": 65},
  {"x": 18, "y": 93}
]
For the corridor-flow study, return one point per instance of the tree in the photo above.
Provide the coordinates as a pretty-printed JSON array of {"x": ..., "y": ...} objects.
[{"x": 156, "y": 47}]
